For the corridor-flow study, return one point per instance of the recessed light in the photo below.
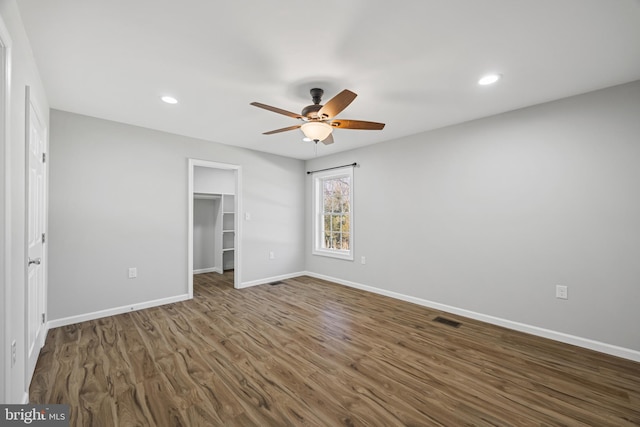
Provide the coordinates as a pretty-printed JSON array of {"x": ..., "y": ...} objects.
[
  {"x": 169, "y": 99},
  {"x": 305, "y": 139},
  {"x": 489, "y": 79}
]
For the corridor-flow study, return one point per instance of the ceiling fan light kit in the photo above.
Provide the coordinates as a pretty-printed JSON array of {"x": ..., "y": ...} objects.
[
  {"x": 319, "y": 119},
  {"x": 316, "y": 131}
]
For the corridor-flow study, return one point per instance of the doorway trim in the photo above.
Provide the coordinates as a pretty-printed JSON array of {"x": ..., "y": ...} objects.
[
  {"x": 5, "y": 205},
  {"x": 238, "y": 223}
]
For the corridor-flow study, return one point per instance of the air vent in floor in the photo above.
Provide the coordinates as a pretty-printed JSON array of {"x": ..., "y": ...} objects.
[
  {"x": 447, "y": 322},
  {"x": 276, "y": 283}
]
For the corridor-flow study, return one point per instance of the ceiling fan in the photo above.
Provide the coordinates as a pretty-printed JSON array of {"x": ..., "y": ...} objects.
[{"x": 319, "y": 120}]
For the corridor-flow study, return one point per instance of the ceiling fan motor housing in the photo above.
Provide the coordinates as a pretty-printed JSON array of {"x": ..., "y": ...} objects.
[{"x": 311, "y": 111}]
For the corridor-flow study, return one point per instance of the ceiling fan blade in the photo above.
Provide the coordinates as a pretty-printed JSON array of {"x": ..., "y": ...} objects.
[
  {"x": 271, "y": 132},
  {"x": 276, "y": 110},
  {"x": 356, "y": 124},
  {"x": 335, "y": 105},
  {"x": 328, "y": 140}
]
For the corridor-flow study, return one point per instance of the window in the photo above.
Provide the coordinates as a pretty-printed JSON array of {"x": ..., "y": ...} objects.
[{"x": 333, "y": 213}]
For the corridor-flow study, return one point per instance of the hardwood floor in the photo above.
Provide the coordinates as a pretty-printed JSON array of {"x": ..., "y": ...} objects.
[{"x": 309, "y": 352}]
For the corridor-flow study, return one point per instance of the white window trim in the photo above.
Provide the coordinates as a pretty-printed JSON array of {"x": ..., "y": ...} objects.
[{"x": 317, "y": 215}]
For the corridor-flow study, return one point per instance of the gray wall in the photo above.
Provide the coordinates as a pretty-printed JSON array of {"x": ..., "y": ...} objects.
[
  {"x": 118, "y": 199},
  {"x": 23, "y": 73},
  {"x": 205, "y": 213},
  {"x": 206, "y": 251},
  {"x": 490, "y": 215},
  {"x": 210, "y": 180}
]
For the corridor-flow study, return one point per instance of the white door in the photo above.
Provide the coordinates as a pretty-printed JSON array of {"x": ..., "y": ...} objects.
[{"x": 35, "y": 292}]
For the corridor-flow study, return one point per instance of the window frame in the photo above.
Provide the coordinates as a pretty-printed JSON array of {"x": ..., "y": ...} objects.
[{"x": 318, "y": 230}]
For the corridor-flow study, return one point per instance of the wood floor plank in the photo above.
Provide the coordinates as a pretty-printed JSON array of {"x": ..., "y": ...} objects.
[{"x": 308, "y": 352}]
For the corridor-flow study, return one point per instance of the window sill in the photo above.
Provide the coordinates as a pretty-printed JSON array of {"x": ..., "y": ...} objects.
[{"x": 348, "y": 256}]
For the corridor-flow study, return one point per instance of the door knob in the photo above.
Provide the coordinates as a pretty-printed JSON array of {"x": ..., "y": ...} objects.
[{"x": 34, "y": 261}]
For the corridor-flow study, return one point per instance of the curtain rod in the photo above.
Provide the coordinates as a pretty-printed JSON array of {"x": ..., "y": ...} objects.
[{"x": 354, "y": 164}]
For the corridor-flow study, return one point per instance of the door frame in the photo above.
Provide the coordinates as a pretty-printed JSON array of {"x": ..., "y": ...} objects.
[
  {"x": 237, "y": 169},
  {"x": 5, "y": 205}
]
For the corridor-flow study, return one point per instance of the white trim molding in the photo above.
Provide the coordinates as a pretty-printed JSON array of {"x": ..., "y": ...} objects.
[
  {"x": 5, "y": 206},
  {"x": 238, "y": 224},
  {"x": 272, "y": 279},
  {"x": 208, "y": 270},
  {"x": 601, "y": 347},
  {"x": 516, "y": 326},
  {"x": 318, "y": 213},
  {"x": 56, "y": 323}
]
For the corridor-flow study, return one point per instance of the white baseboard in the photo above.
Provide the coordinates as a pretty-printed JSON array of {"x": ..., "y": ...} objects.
[
  {"x": 208, "y": 270},
  {"x": 55, "y": 323},
  {"x": 271, "y": 279},
  {"x": 601, "y": 347},
  {"x": 533, "y": 330}
]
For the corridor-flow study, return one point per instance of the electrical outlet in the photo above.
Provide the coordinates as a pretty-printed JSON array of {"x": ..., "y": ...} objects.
[
  {"x": 272, "y": 255},
  {"x": 363, "y": 260},
  {"x": 562, "y": 292},
  {"x": 133, "y": 273},
  {"x": 14, "y": 353}
]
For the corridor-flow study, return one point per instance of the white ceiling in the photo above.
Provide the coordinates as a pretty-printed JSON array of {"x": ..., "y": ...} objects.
[{"x": 414, "y": 64}]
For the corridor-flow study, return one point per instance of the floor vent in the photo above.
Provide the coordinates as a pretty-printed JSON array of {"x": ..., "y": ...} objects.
[
  {"x": 276, "y": 283},
  {"x": 447, "y": 322}
]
